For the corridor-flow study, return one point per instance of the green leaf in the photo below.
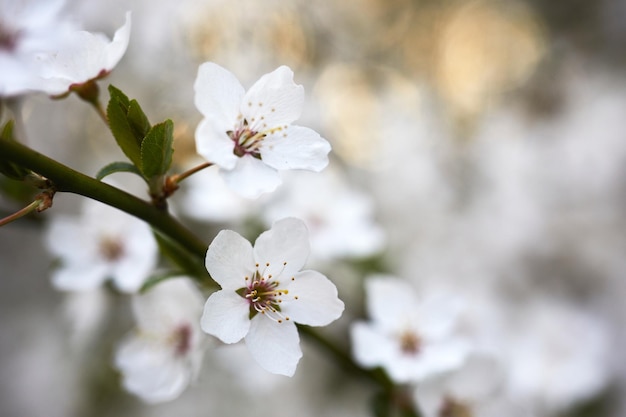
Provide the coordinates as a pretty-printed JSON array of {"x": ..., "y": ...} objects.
[
  {"x": 7, "y": 130},
  {"x": 117, "y": 95},
  {"x": 8, "y": 168},
  {"x": 117, "y": 110},
  {"x": 114, "y": 167},
  {"x": 138, "y": 120},
  {"x": 128, "y": 123},
  {"x": 157, "y": 150}
]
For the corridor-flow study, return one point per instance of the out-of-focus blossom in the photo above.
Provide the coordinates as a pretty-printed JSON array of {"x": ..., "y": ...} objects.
[
  {"x": 26, "y": 29},
  {"x": 164, "y": 354},
  {"x": 410, "y": 337},
  {"x": 475, "y": 389},
  {"x": 101, "y": 243},
  {"x": 558, "y": 356},
  {"x": 86, "y": 56},
  {"x": 207, "y": 198},
  {"x": 264, "y": 293},
  {"x": 339, "y": 218},
  {"x": 249, "y": 135}
]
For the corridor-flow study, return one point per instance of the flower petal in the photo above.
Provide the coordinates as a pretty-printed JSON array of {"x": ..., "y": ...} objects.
[
  {"x": 130, "y": 273},
  {"x": 296, "y": 147},
  {"x": 167, "y": 306},
  {"x": 317, "y": 303},
  {"x": 389, "y": 300},
  {"x": 274, "y": 100},
  {"x": 370, "y": 347},
  {"x": 116, "y": 49},
  {"x": 139, "y": 258},
  {"x": 150, "y": 370},
  {"x": 275, "y": 346},
  {"x": 80, "y": 276},
  {"x": 226, "y": 316},
  {"x": 70, "y": 239},
  {"x": 85, "y": 57},
  {"x": 218, "y": 94},
  {"x": 251, "y": 177},
  {"x": 437, "y": 358},
  {"x": 229, "y": 259},
  {"x": 285, "y": 247},
  {"x": 439, "y": 315},
  {"x": 214, "y": 145}
]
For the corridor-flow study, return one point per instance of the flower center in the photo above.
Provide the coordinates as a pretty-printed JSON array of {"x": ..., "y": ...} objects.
[
  {"x": 410, "y": 343},
  {"x": 8, "y": 38},
  {"x": 264, "y": 296},
  {"x": 111, "y": 248},
  {"x": 182, "y": 339},
  {"x": 454, "y": 408},
  {"x": 247, "y": 141}
]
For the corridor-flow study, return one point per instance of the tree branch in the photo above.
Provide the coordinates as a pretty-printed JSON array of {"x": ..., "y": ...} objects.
[{"x": 66, "y": 179}]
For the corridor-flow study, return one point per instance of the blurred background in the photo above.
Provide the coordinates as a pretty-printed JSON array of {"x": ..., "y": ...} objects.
[{"x": 484, "y": 141}]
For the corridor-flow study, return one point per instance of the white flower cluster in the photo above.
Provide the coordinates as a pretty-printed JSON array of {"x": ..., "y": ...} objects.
[
  {"x": 265, "y": 292},
  {"x": 457, "y": 218}
]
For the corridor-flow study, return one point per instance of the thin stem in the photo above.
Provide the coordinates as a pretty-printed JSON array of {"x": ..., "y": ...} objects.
[
  {"x": 100, "y": 110},
  {"x": 89, "y": 91},
  {"x": 21, "y": 213},
  {"x": 180, "y": 177},
  {"x": 170, "y": 185},
  {"x": 66, "y": 179}
]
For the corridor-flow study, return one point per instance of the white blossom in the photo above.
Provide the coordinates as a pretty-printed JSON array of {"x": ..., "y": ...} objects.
[
  {"x": 410, "y": 338},
  {"x": 101, "y": 243},
  {"x": 340, "y": 218},
  {"x": 249, "y": 135},
  {"x": 164, "y": 354},
  {"x": 264, "y": 293},
  {"x": 558, "y": 355},
  {"x": 207, "y": 198},
  {"x": 475, "y": 389},
  {"x": 27, "y": 27},
  {"x": 87, "y": 56}
]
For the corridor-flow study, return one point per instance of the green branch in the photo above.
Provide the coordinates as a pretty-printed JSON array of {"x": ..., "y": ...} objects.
[{"x": 68, "y": 180}]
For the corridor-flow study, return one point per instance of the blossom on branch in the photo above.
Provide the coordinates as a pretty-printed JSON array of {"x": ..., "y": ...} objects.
[
  {"x": 411, "y": 339},
  {"x": 264, "y": 293},
  {"x": 102, "y": 243},
  {"x": 85, "y": 57},
  {"x": 26, "y": 29},
  {"x": 476, "y": 389},
  {"x": 340, "y": 218},
  {"x": 164, "y": 354},
  {"x": 249, "y": 135}
]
